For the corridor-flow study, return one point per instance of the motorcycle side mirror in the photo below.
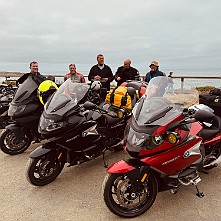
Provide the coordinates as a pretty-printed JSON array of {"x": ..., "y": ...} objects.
[
  {"x": 203, "y": 116},
  {"x": 88, "y": 105}
]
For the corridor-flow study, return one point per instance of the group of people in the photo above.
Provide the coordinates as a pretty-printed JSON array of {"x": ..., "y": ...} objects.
[{"x": 104, "y": 74}]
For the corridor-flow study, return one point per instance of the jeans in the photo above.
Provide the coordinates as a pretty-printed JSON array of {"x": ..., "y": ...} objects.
[{"x": 170, "y": 88}]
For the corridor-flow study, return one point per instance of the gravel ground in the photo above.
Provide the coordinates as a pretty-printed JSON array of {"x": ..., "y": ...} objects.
[{"x": 76, "y": 195}]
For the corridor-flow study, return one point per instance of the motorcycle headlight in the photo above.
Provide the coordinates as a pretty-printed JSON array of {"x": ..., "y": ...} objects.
[
  {"x": 15, "y": 110},
  {"x": 54, "y": 126},
  {"x": 173, "y": 137},
  {"x": 158, "y": 139},
  {"x": 48, "y": 124}
]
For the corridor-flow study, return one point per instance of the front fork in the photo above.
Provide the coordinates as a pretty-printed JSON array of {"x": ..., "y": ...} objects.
[{"x": 136, "y": 170}]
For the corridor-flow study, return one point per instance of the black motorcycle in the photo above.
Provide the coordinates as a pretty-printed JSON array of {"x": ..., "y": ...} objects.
[
  {"x": 25, "y": 110},
  {"x": 77, "y": 131},
  {"x": 7, "y": 93},
  {"x": 7, "y": 89}
]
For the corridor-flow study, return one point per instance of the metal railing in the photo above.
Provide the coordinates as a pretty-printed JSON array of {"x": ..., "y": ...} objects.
[{"x": 179, "y": 80}]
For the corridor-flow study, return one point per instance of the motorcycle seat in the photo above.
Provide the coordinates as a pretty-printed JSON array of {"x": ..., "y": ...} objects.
[
  {"x": 136, "y": 85},
  {"x": 208, "y": 133},
  {"x": 111, "y": 120},
  {"x": 112, "y": 117}
]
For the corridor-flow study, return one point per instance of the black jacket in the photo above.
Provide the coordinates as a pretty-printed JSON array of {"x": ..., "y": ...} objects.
[
  {"x": 37, "y": 78},
  {"x": 103, "y": 73},
  {"x": 126, "y": 74}
]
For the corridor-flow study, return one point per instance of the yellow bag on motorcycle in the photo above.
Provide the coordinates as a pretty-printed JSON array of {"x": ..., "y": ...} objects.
[{"x": 119, "y": 97}]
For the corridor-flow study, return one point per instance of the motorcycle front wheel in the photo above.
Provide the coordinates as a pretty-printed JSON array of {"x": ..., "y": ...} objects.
[
  {"x": 123, "y": 200},
  {"x": 9, "y": 143},
  {"x": 44, "y": 169}
]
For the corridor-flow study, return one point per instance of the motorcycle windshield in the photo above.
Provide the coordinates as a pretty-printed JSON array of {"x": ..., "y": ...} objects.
[
  {"x": 25, "y": 90},
  {"x": 157, "y": 107},
  {"x": 68, "y": 96}
]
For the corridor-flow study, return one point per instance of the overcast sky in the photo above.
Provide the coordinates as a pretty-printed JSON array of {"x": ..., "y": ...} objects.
[{"x": 178, "y": 34}]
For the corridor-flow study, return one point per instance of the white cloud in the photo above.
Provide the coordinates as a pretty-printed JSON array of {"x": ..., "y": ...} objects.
[{"x": 56, "y": 33}]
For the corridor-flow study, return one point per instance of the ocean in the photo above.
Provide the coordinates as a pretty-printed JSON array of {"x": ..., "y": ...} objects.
[{"x": 215, "y": 72}]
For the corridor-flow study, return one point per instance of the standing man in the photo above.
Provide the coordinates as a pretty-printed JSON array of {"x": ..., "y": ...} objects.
[
  {"x": 103, "y": 73},
  {"x": 37, "y": 77},
  {"x": 170, "y": 83},
  {"x": 126, "y": 72},
  {"x": 74, "y": 75},
  {"x": 154, "y": 71}
]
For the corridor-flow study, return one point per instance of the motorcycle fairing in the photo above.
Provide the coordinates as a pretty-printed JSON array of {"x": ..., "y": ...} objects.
[
  {"x": 163, "y": 129},
  {"x": 134, "y": 169},
  {"x": 40, "y": 151},
  {"x": 177, "y": 158},
  {"x": 195, "y": 128},
  {"x": 25, "y": 101},
  {"x": 155, "y": 111},
  {"x": 67, "y": 97},
  {"x": 121, "y": 167},
  {"x": 170, "y": 162},
  {"x": 25, "y": 90}
]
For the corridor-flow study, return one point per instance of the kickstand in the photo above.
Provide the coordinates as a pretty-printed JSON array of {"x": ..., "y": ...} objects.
[
  {"x": 105, "y": 165},
  {"x": 199, "y": 194}
]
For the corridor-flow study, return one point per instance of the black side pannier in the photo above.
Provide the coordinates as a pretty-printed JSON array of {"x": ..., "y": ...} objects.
[
  {"x": 213, "y": 101},
  {"x": 216, "y": 91}
]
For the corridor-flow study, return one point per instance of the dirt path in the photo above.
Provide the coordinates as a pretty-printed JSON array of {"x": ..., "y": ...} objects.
[{"x": 76, "y": 195}]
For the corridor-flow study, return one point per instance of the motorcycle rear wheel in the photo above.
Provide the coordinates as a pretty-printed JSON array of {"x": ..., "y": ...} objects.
[
  {"x": 43, "y": 170},
  {"x": 10, "y": 145},
  {"x": 123, "y": 201}
]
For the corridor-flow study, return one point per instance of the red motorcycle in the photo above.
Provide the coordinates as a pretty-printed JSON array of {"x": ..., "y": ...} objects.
[{"x": 169, "y": 145}]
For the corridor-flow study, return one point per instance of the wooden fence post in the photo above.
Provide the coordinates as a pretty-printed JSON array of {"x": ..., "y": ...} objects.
[{"x": 182, "y": 83}]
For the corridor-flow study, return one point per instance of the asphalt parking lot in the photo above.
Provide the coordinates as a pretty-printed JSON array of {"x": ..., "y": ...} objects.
[{"x": 76, "y": 195}]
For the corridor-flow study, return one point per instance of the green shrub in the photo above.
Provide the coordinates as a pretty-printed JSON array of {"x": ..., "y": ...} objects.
[{"x": 205, "y": 88}]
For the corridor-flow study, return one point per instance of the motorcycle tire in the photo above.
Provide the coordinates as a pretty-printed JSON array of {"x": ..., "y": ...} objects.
[
  {"x": 9, "y": 144},
  {"x": 123, "y": 201},
  {"x": 43, "y": 170}
]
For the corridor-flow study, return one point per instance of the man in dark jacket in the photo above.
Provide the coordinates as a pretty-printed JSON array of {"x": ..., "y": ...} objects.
[
  {"x": 103, "y": 73},
  {"x": 37, "y": 77},
  {"x": 126, "y": 72},
  {"x": 154, "y": 71}
]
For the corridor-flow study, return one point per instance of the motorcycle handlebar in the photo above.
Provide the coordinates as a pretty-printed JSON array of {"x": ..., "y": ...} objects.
[
  {"x": 101, "y": 109},
  {"x": 102, "y": 81}
]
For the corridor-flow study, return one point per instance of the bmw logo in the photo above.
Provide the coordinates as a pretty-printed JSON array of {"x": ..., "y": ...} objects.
[{"x": 186, "y": 154}]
